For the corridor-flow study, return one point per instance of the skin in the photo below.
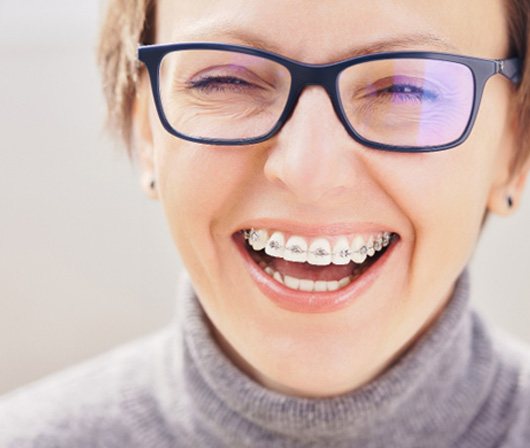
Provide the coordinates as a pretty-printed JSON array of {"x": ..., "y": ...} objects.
[{"x": 313, "y": 173}]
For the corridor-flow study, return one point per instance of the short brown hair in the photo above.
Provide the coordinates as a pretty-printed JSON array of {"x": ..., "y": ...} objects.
[
  {"x": 130, "y": 22},
  {"x": 126, "y": 23},
  {"x": 519, "y": 29}
]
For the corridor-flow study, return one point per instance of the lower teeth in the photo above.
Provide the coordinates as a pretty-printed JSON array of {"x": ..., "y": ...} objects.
[{"x": 305, "y": 284}]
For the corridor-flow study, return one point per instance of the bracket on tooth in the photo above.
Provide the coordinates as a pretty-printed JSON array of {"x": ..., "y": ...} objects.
[
  {"x": 320, "y": 252},
  {"x": 251, "y": 235},
  {"x": 274, "y": 245},
  {"x": 345, "y": 253},
  {"x": 296, "y": 249}
]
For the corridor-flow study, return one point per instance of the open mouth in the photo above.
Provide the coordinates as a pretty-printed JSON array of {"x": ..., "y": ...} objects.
[{"x": 315, "y": 265}]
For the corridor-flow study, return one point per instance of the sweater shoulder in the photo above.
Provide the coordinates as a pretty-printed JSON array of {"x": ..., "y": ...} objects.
[
  {"x": 107, "y": 401},
  {"x": 512, "y": 353},
  {"x": 513, "y": 383}
]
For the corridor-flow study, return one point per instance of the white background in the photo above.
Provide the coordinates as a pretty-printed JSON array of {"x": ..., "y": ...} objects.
[{"x": 86, "y": 261}]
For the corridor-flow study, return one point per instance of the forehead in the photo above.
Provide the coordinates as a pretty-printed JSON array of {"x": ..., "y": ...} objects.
[{"x": 320, "y": 31}]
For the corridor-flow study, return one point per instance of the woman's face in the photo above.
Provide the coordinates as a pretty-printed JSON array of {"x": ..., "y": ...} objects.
[{"x": 313, "y": 180}]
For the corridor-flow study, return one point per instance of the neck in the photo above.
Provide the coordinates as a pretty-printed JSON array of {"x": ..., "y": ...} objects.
[{"x": 437, "y": 385}]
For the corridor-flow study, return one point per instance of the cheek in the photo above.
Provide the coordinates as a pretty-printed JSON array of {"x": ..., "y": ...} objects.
[
  {"x": 434, "y": 188},
  {"x": 199, "y": 184},
  {"x": 443, "y": 195}
]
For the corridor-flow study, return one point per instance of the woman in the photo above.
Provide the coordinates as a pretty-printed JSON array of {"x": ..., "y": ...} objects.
[{"x": 326, "y": 170}]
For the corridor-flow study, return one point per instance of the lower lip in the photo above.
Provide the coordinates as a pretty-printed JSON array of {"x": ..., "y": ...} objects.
[{"x": 312, "y": 302}]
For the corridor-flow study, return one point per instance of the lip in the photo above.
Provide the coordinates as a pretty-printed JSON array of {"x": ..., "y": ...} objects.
[{"x": 311, "y": 302}]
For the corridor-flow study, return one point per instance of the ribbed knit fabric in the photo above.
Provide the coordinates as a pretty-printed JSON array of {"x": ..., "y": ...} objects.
[{"x": 460, "y": 385}]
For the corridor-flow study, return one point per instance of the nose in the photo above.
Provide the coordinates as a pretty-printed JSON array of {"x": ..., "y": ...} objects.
[{"x": 313, "y": 156}]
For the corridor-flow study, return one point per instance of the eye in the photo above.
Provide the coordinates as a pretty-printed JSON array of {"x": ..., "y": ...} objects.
[
  {"x": 409, "y": 92},
  {"x": 221, "y": 84}
]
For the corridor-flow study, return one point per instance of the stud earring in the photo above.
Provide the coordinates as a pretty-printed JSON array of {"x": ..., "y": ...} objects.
[
  {"x": 152, "y": 184},
  {"x": 509, "y": 201}
]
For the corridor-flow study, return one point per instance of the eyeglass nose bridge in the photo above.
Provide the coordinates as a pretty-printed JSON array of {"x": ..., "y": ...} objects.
[{"x": 325, "y": 76}]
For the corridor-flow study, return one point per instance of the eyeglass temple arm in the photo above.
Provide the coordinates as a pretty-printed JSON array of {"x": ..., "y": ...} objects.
[{"x": 511, "y": 69}]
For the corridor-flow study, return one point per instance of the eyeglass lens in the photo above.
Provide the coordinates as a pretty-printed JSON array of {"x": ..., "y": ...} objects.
[{"x": 227, "y": 95}]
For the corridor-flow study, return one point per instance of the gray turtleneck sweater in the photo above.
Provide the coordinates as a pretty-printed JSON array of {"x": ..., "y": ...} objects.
[{"x": 460, "y": 385}]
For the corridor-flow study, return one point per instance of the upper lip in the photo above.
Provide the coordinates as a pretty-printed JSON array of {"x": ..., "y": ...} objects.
[{"x": 317, "y": 229}]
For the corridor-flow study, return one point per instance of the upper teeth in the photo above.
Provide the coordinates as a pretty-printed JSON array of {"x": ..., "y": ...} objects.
[{"x": 320, "y": 251}]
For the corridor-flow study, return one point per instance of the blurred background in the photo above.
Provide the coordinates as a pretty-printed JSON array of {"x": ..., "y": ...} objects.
[{"x": 86, "y": 262}]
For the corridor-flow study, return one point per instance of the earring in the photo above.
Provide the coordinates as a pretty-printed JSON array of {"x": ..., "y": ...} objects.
[
  {"x": 152, "y": 184},
  {"x": 509, "y": 201}
]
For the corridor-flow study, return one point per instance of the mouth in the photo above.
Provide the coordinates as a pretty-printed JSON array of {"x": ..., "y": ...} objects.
[{"x": 313, "y": 274}]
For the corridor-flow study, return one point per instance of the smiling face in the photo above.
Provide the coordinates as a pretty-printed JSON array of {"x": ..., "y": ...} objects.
[{"x": 313, "y": 182}]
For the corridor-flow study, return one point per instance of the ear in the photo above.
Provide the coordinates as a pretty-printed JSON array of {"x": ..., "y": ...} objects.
[
  {"x": 509, "y": 177},
  {"x": 505, "y": 197},
  {"x": 142, "y": 138}
]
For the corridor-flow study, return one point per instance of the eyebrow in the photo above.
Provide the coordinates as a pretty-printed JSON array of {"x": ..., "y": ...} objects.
[{"x": 220, "y": 32}]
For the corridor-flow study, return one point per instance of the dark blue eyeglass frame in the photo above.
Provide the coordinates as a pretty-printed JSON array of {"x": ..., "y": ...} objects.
[{"x": 327, "y": 75}]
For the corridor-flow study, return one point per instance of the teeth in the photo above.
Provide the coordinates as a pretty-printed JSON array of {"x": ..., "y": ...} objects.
[
  {"x": 370, "y": 247},
  {"x": 378, "y": 243},
  {"x": 357, "y": 244},
  {"x": 358, "y": 248},
  {"x": 333, "y": 286},
  {"x": 258, "y": 239},
  {"x": 308, "y": 285},
  {"x": 319, "y": 252},
  {"x": 276, "y": 245},
  {"x": 296, "y": 249},
  {"x": 344, "y": 282},
  {"x": 321, "y": 285},
  {"x": 341, "y": 251},
  {"x": 359, "y": 257},
  {"x": 291, "y": 282}
]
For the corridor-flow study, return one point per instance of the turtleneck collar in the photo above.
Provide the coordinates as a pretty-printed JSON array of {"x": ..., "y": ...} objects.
[{"x": 429, "y": 397}]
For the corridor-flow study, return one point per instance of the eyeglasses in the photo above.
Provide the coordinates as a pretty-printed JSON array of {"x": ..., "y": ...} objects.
[{"x": 221, "y": 94}]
